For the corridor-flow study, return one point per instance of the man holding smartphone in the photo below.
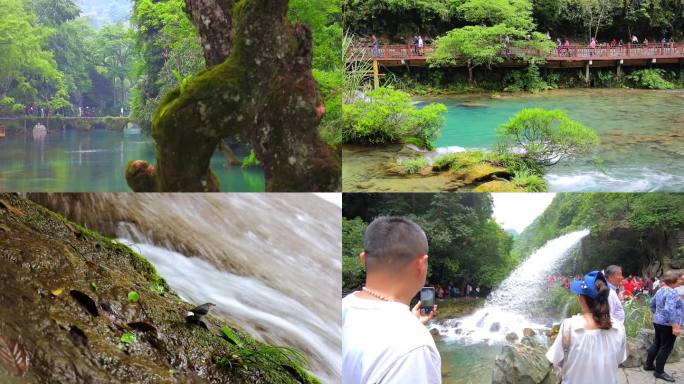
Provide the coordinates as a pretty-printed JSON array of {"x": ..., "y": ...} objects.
[{"x": 383, "y": 340}]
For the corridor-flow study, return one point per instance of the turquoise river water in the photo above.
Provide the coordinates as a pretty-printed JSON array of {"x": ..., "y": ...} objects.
[
  {"x": 642, "y": 134},
  {"x": 93, "y": 161}
]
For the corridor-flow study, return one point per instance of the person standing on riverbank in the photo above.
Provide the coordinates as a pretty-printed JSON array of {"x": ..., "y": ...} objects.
[
  {"x": 667, "y": 311},
  {"x": 383, "y": 340},
  {"x": 590, "y": 343},
  {"x": 376, "y": 46},
  {"x": 614, "y": 277}
]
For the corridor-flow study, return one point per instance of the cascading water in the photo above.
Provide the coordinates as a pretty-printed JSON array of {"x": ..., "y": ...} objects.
[
  {"x": 515, "y": 304},
  {"x": 270, "y": 262}
]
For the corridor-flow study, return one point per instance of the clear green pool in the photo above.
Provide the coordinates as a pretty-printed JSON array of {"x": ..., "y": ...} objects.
[{"x": 92, "y": 161}]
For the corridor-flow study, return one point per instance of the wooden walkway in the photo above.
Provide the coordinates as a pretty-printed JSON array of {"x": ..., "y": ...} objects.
[{"x": 573, "y": 56}]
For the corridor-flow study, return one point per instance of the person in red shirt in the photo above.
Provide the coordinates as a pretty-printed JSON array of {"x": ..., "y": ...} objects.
[{"x": 629, "y": 286}]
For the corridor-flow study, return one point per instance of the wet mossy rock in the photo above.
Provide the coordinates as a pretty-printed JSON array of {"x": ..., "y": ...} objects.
[
  {"x": 263, "y": 91},
  {"x": 64, "y": 292},
  {"x": 482, "y": 172},
  {"x": 498, "y": 186}
]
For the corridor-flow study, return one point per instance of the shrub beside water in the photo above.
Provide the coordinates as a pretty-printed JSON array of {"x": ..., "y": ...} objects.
[
  {"x": 651, "y": 78},
  {"x": 386, "y": 116}
]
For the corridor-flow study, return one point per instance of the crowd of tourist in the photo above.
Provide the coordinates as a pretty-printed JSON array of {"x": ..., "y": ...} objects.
[
  {"x": 453, "y": 291},
  {"x": 601, "y": 294}
]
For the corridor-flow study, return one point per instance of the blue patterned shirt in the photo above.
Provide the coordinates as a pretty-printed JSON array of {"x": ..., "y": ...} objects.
[{"x": 667, "y": 307}]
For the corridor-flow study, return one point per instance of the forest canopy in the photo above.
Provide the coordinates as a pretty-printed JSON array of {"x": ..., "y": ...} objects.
[
  {"x": 399, "y": 19},
  {"x": 466, "y": 244}
]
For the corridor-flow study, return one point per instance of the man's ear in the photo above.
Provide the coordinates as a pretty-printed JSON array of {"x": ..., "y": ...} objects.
[
  {"x": 423, "y": 263},
  {"x": 362, "y": 257}
]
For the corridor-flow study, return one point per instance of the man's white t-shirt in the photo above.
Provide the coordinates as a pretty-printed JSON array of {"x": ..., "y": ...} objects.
[
  {"x": 383, "y": 342},
  {"x": 591, "y": 352},
  {"x": 616, "y": 309}
]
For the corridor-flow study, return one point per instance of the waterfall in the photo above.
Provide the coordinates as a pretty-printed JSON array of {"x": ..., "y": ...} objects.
[
  {"x": 515, "y": 304},
  {"x": 271, "y": 262}
]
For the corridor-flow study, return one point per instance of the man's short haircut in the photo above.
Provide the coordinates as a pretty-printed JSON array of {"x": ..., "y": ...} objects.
[
  {"x": 391, "y": 242},
  {"x": 670, "y": 277},
  {"x": 612, "y": 269}
]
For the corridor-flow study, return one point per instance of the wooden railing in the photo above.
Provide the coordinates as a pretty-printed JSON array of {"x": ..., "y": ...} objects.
[{"x": 601, "y": 52}]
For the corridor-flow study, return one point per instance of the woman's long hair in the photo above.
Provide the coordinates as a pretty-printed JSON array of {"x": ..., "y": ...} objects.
[{"x": 599, "y": 307}]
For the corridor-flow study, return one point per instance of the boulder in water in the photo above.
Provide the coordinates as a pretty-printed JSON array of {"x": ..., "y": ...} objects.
[
  {"x": 521, "y": 363},
  {"x": 512, "y": 337},
  {"x": 529, "y": 332},
  {"x": 495, "y": 327}
]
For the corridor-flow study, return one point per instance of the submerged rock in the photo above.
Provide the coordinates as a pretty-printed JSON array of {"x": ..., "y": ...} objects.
[
  {"x": 512, "y": 337},
  {"x": 65, "y": 292}
]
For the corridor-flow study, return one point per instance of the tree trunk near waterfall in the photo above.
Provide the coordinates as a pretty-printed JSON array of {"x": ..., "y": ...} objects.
[
  {"x": 260, "y": 86},
  {"x": 65, "y": 290}
]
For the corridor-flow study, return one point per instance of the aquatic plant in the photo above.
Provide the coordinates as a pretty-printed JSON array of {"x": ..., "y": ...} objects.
[
  {"x": 413, "y": 165},
  {"x": 459, "y": 161},
  {"x": 530, "y": 182}
]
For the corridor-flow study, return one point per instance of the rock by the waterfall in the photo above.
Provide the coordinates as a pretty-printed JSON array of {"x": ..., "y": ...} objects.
[
  {"x": 495, "y": 327},
  {"x": 512, "y": 337},
  {"x": 634, "y": 359},
  {"x": 521, "y": 363},
  {"x": 435, "y": 333},
  {"x": 529, "y": 341},
  {"x": 529, "y": 332},
  {"x": 644, "y": 339}
]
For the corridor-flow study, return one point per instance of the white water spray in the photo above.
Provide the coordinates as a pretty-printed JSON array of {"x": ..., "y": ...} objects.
[
  {"x": 271, "y": 262},
  {"x": 512, "y": 306}
]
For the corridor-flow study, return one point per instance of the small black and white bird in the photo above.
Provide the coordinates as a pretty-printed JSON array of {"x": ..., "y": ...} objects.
[{"x": 196, "y": 314}]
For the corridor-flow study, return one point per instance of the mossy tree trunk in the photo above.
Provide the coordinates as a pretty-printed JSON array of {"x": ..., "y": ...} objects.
[{"x": 260, "y": 86}]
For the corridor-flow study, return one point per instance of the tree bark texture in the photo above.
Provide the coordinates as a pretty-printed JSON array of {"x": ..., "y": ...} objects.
[{"x": 264, "y": 91}]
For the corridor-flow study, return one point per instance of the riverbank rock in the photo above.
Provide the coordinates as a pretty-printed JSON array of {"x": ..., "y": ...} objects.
[
  {"x": 637, "y": 349},
  {"x": 482, "y": 172},
  {"x": 65, "y": 294},
  {"x": 529, "y": 332},
  {"x": 512, "y": 337},
  {"x": 498, "y": 186},
  {"x": 520, "y": 363}
]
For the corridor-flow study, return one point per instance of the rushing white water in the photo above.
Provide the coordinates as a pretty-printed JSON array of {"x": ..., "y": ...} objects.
[
  {"x": 262, "y": 311},
  {"x": 511, "y": 307},
  {"x": 271, "y": 262},
  {"x": 627, "y": 180}
]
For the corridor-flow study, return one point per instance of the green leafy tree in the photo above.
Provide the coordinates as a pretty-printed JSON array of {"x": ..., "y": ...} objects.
[
  {"x": 545, "y": 137},
  {"x": 475, "y": 45},
  {"x": 55, "y": 12},
  {"x": 114, "y": 55},
  {"x": 513, "y": 13},
  {"x": 353, "y": 274}
]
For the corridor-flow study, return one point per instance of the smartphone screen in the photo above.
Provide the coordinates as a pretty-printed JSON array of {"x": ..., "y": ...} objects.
[{"x": 427, "y": 299}]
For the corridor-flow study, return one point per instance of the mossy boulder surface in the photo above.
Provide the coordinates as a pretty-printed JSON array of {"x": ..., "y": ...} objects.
[
  {"x": 482, "y": 172},
  {"x": 498, "y": 186},
  {"x": 66, "y": 301}
]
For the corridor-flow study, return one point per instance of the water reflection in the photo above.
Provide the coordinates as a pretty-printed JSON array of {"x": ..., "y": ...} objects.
[{"x": 41, "y": 159}]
